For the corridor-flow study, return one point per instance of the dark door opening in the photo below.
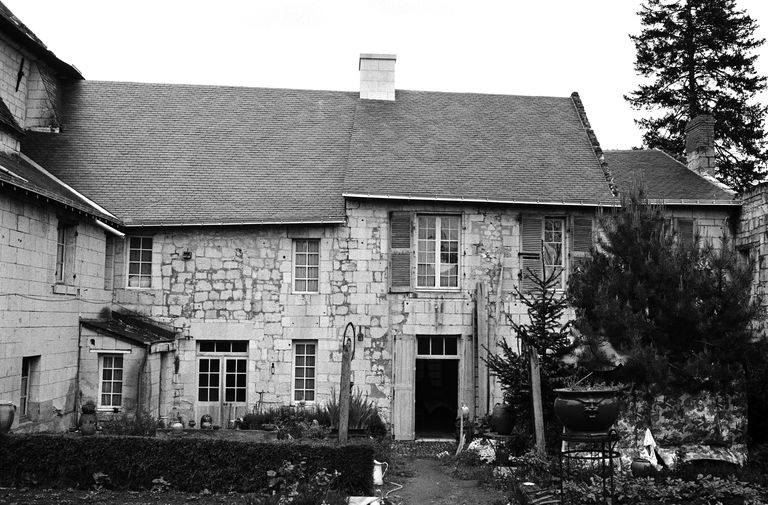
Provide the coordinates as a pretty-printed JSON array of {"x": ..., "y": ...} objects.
[{"x": 437, "y": 390}]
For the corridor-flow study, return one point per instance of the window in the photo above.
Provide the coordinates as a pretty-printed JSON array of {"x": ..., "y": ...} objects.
[
  {"x": 438, "y": 252},
  {"x": 437, "y": 346},
  {"x": 111, "y": 385},
  {"x": 304, "y": 353},
  {"x": 553, "y": 247},
  {"x": 306, "y": 271},
  {"x": 65, "y": 253},
  {"x": 30, "y": 367},
  {"x": 140, "y": 262},
  {"x": 686, "y": 231},
  {"x": 234, "y": 370},
  {"x": 543, "y": 245}
]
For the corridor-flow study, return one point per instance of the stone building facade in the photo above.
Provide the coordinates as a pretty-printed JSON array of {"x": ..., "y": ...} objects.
[{"x": 233, "y": 258}]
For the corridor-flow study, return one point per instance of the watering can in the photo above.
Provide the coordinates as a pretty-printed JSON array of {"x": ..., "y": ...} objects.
[{"x": 378, "y": 474}]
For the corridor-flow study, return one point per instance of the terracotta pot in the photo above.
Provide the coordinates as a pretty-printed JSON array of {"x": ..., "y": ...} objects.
[
  {"x": 7, "y": 413},
  {"x": 88, "y": 424},
  {"x": 503, "y": 419},
  {"x": 591, "y": 410}
]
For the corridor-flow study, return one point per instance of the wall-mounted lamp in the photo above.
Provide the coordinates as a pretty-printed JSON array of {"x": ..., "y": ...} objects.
[
  {"x": 348, "y": 339},
  {"x": 272, "y": 369},
  {"x": 188, "y": 332},
  {"x": 186, "y": 255}
]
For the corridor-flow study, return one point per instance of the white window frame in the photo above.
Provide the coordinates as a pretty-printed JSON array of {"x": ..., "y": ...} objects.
[
  {"x": 222, "y": 356},
  {"x": 563, "y": 248},
  {"x": 437, "y": 259},
  {"x": 140, "y": 262},
  {"x": 306, "y": 254},
  {"x": 294, "y": 367},
  {"x": 441, "y": 355},
  {"x": 111, "y": 381}
]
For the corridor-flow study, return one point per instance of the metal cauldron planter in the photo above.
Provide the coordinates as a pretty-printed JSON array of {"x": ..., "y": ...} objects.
[
  {"x": 591, "y": 410},
  {"x": 7, "y": 413}
]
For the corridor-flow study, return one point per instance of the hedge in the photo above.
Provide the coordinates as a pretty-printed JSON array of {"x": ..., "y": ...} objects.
[{"x": 188, "y": 464}]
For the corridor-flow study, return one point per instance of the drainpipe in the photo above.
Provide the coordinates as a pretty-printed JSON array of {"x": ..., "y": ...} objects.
[
  {"x": 139, "y": 378},
  {"x": 76, "y": 404}
]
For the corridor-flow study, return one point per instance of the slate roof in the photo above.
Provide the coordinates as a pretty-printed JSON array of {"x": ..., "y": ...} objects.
[
  {"x": 15, "y": 172},
  {"x": 665, "y": 178},
  {"x": 474, "y": 147},
  {"x": 162, "y": 154},
  {"x": 8, "y": 121},
  {"x": 131, "y": 327}
]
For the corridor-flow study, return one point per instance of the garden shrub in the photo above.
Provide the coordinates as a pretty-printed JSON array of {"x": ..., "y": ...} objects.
[
  {"x": 188, "y": 464},
  {"x": 142, "y": 425}
]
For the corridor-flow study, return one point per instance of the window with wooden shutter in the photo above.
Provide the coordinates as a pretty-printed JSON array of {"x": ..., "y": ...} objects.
[
  {"x": 686, "y": 230},
  {"x": 400, "y": 225},
  {"x": 530, "y": 250},
  {"x": 581, "y": 239}
]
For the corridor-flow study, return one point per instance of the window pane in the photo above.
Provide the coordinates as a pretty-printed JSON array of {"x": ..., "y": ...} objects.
[
  {"x": 299, "y": 384},
  {"x": 135, "y": 243},
  {"x": 117, "y": 387},
  {"x": 300, "y": 348},
  {"x": 229, "y": 395},
  {"x": 451, "y": 346},
  {"x": 146, "y": 256},
  {"x": 437, "y": 345},
  {"x": 299, "y": 395},
  {"x": 202, "y": 395},
  {"x": 118, "y": 362},
  {"x": 241, "y": 366},
  {"x": 214, "y": 365},
  {"x": 423, "y": 346},
  {"x": 301, "y": 286},
  {"x": 117, "y": 375},
  {"x": 231, "y": 365},
  {"x": 213, "y": 395},
  {"x": 313, "y": 246},
  {"x": 106, "y": 387},
  {"x": 310, "y": 396},
  {"x": 229, "y": 380},
  {"x": 299, "y": 371},
  {"x": 312, "y": 286},
  {"x": 202, "y": 380},
  {"x": 311, "y": 350},
  {"x": 241, "y": 381},
  {"x": 240, "y": 396},
  {"x": 117, "y": 400},
  {"x": 311, "y": 360},
  {"x": 240, "y": 346},
  {"x": 146, "y": 243},
  {"x": 203, "y": 363}
]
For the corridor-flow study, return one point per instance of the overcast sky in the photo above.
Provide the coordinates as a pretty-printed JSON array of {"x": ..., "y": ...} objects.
[{"x": 524, "y": 47}]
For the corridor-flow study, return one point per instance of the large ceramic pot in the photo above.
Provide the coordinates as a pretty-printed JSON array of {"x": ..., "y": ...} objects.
[
  {"x": 503, "y": 419},
  {"x": 7, "y": 413},
  {"x": 88, "y": 424},
  {"x": 587, "y": 410}
]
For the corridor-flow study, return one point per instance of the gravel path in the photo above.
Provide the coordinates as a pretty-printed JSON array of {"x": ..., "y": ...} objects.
[{"x": 430, "y": 484}]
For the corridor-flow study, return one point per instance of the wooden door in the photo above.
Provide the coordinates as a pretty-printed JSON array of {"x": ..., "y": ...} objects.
[
  {"x": 403, "y": 416},
  {"x": 467, "y": 376}
]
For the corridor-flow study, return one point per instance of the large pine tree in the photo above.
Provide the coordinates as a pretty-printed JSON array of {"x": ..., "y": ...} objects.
[{"x": 697, "y": 56}]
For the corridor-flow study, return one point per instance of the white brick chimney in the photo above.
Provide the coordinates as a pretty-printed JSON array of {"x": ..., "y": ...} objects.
[
  {"x": 377, "y": 76},
  {"x": 700, "y": 144}
]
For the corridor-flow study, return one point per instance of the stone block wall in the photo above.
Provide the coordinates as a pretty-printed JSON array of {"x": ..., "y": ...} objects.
[
  {"x": 34, "y": 103},
  {"x": 39, "y": 317},
  {"x": 237, "y": 284},
  {"x": 752, "y": 239}
]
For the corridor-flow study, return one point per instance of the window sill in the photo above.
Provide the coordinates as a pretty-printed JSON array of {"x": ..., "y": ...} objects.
[
  {"x": 109, "y": 410},
  {"x": 65, "y": 289}
]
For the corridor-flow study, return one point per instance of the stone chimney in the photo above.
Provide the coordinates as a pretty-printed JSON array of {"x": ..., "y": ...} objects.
[
  {"x": 700, "y": 144},
  {"x": 377, "y": 76}
]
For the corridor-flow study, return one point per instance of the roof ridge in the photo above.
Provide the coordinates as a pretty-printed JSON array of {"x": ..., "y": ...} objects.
[{"x": 594, "y": 143}]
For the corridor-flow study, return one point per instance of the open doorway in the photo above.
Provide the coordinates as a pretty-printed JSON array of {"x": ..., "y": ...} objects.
[{"x": 437, "y": 386}]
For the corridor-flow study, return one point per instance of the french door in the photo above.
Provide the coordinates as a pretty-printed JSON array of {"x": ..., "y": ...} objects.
[{"x": 222, "y": 389}]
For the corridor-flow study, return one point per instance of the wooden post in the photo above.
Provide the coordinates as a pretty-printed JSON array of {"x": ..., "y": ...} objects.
[
  {"x": 346, "y": 367},
  {"x": 538, "y": 412}
]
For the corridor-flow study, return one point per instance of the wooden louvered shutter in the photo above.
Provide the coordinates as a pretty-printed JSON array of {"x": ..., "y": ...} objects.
[
  {"x": 530, "y": 250},
  {"x": 581, "y": 239},
  {"x": 400, "y": 226},
  {"x": 686, "y": 230}
]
